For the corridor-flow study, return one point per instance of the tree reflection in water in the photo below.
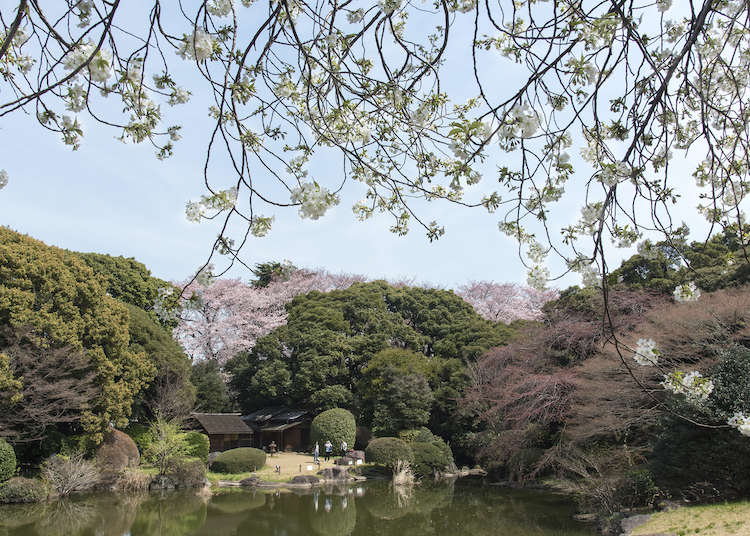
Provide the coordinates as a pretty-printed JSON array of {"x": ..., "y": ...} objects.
[{"x": 345, "y": 510}]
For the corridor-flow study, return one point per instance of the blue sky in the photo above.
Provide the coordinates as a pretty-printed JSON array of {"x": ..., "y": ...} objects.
[{"x": 119, "y": 199}]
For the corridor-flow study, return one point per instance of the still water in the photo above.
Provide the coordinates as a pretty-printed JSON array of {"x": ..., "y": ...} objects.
[{"x": 373, "y": 508}]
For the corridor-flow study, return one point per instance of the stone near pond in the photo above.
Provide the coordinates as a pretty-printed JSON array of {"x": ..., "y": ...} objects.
[
  {"x": 251, "y": 482},
  {"x": 305, "y": 479},
  {"x": 335, "y": 473},
  {"x": 162, "y": 483},
  {"x": 346, "y": 460},
  {"x": 357, "y": 455},
  {"x": 117, "y": 452}
]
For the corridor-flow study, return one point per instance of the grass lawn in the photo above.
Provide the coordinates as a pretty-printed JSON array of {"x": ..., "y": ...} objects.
[
  {"x": 710, "y": 520},
  {"x": 289, "y": 463}
]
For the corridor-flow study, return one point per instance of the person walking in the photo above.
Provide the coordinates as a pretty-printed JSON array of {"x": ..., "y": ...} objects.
[
  {"x": 344, "y": 448},
  {"x": 329, "y": 448},
  {"x": 316, "y": 453}
]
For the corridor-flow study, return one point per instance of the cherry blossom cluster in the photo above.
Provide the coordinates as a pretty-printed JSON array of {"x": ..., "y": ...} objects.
[
  {"x": 741, "y": 422},
  {"x": 687, "y": 292},
  {"x": 646, "y": 353},
  {"x": 691, "y": 384},
  {"x": 505, "y": 302}
]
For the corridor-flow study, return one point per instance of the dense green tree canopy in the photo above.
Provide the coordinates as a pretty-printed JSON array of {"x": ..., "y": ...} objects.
[
  {"x": 128, "y": 280},
  {"x": 716, "y": 263},
  {"x": 343, "y": 347},
  {"x": 57, "y": 296},
  {"x": 403, "y": 403},
  {"x": 330, "y": 338},
  {"x": 212, "y": 395}
]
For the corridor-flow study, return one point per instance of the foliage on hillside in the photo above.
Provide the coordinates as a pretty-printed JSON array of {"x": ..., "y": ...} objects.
[
  {"x": 54, "y": 294},
  {"x": 562, "y": 398}
]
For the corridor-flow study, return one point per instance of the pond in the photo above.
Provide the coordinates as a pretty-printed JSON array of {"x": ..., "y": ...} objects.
[{"x": 355, "y": 509}]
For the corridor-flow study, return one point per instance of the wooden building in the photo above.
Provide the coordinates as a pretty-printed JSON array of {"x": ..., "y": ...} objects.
[
  {"x": 289, "y": 428},
  {"x": 225, "y": 430}
]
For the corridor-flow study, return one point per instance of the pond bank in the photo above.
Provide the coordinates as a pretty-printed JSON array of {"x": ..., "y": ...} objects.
[
  {"x": 332, "y": 475},
  {"x": 708, "y": 520}
]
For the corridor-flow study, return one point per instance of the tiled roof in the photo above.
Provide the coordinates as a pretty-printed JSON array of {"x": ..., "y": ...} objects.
[
  {"x": 274, "y": 414},
  {"x": 222, "y": 423}
]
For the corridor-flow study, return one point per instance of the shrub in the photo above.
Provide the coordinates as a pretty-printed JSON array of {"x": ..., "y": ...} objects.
[
  {"x": 141, "y": 434},
  {"x": 68, "y": 475},
  {"x": 335, "y": 425},
  {"x": 427, "y": 459},
  {"x": 239, "y": 460},
  {"x": 446, "y": 450},
  {"x": 424, "y": 435},
  {"x": 133, "y": 479},
  {"x": 22, "y": 490},
  {"x": 388, "y": 451},
  {"x": 167, "y": 444},
  {"x": 7, "y": 461},
  {"x": 117, "y": 452},
  {"x": 188, "y": 473},
  {"x": 637, "y": 488},
  {"x": 197, "y": 445}
]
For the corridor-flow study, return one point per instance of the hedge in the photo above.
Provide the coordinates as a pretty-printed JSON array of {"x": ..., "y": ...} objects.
[
  {"x": 424, "y": 435},
  {"x": 388, "y": 451},
  {"x": 7, "y": 461},
  {"x": 446, "y": 450},
  {"x": 22, "y": 490},
  {"x": 428, "y": 458},
  {"x": 335, "y": 425},
  {"x": 198, "y": 445},
  {"x": 239, "y": 460}
]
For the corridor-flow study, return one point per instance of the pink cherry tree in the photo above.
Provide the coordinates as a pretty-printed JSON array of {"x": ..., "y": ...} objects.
[
  {"x": 222, "y": 317},
  {"x": 505, "y": 302}
]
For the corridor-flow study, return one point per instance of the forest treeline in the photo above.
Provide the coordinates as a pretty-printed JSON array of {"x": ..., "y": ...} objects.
[{"x": 556, "y": 393}]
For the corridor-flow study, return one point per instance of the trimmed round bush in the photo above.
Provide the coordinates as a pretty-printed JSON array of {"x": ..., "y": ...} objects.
[
  {"x": 117, "y": 452},
  {"x": 446, "y": 450},
  {"x": 388, "y": 451},
  {"x": 22, "y": 490},
  {"x": 335, "y": 425},
  {"x": 198, "y": 445},
  {"x": 7, "y": 461},
  {"x": 239, "y": 460},
  {"x": 428, "y": 458}
]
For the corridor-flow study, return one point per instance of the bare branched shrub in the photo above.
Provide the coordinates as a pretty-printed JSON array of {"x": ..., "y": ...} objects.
[
  {"x": 69, "y": 475},
  {"x": 402, "y": 474},
  {"x": 58, "y": 385}
]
